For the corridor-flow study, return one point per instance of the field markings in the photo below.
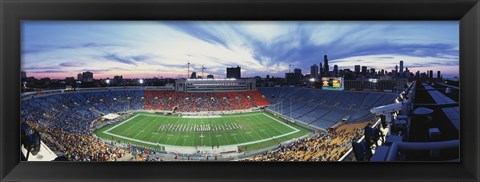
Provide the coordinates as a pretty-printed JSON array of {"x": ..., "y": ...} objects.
[
  {"x": 142, "y": 126},
  {"x": 123, "y": 122},
  {"x": 238, "y": 144}
]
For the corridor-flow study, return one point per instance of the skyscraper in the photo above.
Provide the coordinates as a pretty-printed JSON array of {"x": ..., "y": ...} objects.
[
  {"x": 439, "y": 74},
  {"x": 401, "y": 69},
  {"x": 364, "y": 70},
  {"x": 320, "y": 68},
  {"x": 335, "y": 70},
  {"x": 325, "y": 65},
  {"x": 357, "y": 69},
  {"x": 431, "y": 74},
  {"x": 234, "y": 72},
  {"x": 314, "y": 71}
]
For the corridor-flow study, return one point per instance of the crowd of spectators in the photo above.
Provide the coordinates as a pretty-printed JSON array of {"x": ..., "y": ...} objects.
[
  {"x": 64, "y": 121},
  {"x": 168, "y": 100},
  {"x": 76, "y": 146},
  {"x": 329, "y": 146}
]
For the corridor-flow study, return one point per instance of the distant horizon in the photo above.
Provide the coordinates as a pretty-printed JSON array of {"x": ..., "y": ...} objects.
[{"x": 147, "y": 49}]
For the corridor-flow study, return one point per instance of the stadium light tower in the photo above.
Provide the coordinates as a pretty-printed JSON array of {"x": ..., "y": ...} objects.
[
  {"x": 188, "y": 70},
  {"x": 203, "y": 69}
]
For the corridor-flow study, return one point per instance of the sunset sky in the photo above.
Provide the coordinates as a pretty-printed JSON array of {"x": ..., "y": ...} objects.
[{"x": 146, "y": 49}]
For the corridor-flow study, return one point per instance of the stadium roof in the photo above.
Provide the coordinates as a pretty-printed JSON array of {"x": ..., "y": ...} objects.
[{"x": 453, "y": 113}]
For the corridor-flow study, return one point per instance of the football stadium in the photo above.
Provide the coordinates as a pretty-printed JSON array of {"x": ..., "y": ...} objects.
[
  {"x": 217, "y": 119},
  {"x": 233, "y": 120}
]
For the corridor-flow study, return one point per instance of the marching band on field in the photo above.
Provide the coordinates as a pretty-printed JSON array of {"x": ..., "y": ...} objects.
[{"x": 201, "y": 127}]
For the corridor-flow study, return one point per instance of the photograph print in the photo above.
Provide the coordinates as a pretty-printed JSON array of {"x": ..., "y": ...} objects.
[{"x": 249, "y": 91}]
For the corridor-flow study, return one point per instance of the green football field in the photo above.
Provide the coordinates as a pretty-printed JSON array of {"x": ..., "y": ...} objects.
[{"x": 247, "y": 131}]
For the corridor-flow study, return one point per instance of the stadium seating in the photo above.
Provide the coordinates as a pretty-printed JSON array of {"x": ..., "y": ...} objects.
[
  {"x": 323, "y": 108},
  {"x": 168, "y": 100}
]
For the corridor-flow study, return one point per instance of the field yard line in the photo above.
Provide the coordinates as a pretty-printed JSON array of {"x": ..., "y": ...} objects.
[
  {"x": 210, "y": 136},
  {"x": 132, "y": 139},
  {"x": 281, "y": 122},
  {"x": 256, "y": 133},
  {"x": 143, "y": 128},
  {"x": 123, "y": 122},
  {"x": 240, "y": 133},
  {"x": 225, "y": 136},
  {"x": 271, "y": 128},
  {"x": 150, "y": 130}
]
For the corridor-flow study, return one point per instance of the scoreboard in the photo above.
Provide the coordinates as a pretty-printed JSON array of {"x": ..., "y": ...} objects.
[{"x": 332, "y": 83}]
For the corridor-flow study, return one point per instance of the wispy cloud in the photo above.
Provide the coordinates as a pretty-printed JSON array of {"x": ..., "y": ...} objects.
[
  {"x": 72, "y": 64},
  {"x": 260, "y": 48},
  {"x": 132, "y": 60}
]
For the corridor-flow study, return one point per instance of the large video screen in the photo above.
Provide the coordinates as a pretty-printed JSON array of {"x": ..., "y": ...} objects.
[
  {"x": 239, "y": 91},
  {"x": 332, "y": 83}
]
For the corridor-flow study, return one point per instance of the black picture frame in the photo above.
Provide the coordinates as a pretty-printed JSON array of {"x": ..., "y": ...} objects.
[{"x": 13, "y": 11}]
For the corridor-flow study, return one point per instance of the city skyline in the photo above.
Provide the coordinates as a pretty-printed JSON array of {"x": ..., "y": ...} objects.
[{"x": 139, "y": 49}]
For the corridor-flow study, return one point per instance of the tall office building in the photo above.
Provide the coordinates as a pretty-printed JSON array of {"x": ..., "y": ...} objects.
[
  {"x": 325, "y": 65},
  {"x": 439, "y": 74},
  {"x": 234, "y": 72},
  {"x": 335, "y": 70},
  {"x": 210, "y": 76},
  {"x": 87, "y": 76},
  {"x": 297, "y": 71},
  {"x": 80, "y": 77},
  {"x": 193, "y": 75},
  {"x": 357, "y": 69},
  {"x": 295, "y": 77},
  {"x": 314, "y": 71},
  {"x": 364, "y": 70},
  {"x": 401, "y": 69},
  {"x": 320, "y": 69},
  {"x": 431, "y": 74}
]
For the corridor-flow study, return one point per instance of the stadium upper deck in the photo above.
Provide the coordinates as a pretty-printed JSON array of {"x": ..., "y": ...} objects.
[{"x": 324, "y": 108}]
